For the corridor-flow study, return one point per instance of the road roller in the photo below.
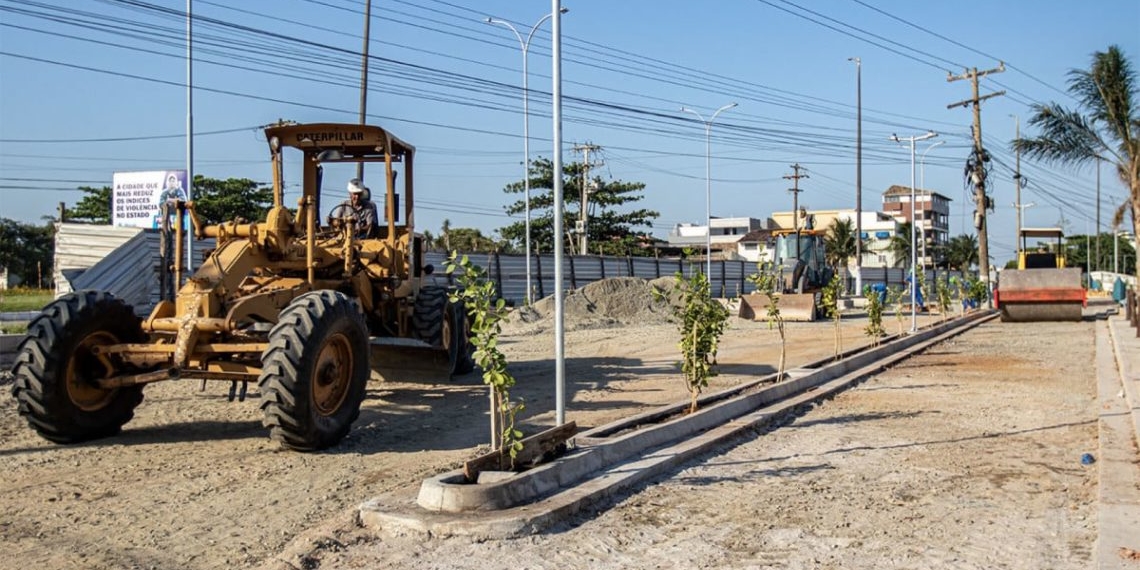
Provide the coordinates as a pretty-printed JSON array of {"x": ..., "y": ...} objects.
[{"x": 1042, "y": 288}]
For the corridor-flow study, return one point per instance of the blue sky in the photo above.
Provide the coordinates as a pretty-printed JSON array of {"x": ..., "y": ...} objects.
[{"x": 449, "y": 83}]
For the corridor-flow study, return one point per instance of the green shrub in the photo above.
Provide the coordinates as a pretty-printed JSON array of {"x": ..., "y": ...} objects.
[
  {"x": 485, "y": 311},
  {"x": 701, "y": 320}
]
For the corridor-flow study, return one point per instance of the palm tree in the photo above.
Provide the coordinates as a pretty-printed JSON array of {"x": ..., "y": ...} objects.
[
  {"x": 962, "y": 252},
  {"x": 1109, "y": 130},
  {"x": 900, "y": 245},
  {"x": 839, "y": 243}
]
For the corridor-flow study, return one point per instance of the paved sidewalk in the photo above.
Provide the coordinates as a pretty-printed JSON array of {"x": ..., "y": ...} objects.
[{"x": 1118, "y": 373}]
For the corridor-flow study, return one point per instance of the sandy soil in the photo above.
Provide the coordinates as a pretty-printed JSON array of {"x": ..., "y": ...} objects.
[{"x": 194, "y": 482}]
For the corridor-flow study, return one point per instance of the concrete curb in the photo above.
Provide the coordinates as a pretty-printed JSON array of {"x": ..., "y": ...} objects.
[
  {"x": 619, "y": 441},
  {"x": 1126, "y": 348},
  {"x": 1118, "y": 459},
  {"x": 18, "y": 316},
  {"x": 600, "y": 469}
]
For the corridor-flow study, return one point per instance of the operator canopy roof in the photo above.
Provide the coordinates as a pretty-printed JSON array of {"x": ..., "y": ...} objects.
[
  {"x": 352, "y": 140},
  {"x": 1042, "y": 233}
]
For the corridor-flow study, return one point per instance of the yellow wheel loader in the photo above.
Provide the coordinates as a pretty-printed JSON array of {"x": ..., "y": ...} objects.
[
  {"x": 289, "y": 304},
  {"x": 802, "y": 273},
  {"x": 1041, "y": 288}
]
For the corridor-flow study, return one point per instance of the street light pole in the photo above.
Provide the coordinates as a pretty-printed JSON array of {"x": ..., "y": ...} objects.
[
  {"x": 913, "y": 272},
  {"x": 525, "y": 45},
  {"x": 922, "y": 183},
  {"x": 708, "y": 185},
  {"x": 1020, "y": 222},
  {"x": 858, "y": 174},
  {"x": 189, "y": 130},
  {"x": 1017, "y": 184},
  {"x": 364, "y": 78},
  {"x": 556, "y": 151}
]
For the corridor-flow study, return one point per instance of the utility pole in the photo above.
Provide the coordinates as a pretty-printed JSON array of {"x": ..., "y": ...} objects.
[
  {"x": 795, "y": 190},
  {"x": 583, "y": 210},
  {"x": 979, "y": 160}
]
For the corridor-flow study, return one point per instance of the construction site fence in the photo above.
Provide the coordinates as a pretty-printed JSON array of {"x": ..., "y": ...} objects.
[
  {"x": 729, "y": 278},
  {"x": 125, "y": 262}
]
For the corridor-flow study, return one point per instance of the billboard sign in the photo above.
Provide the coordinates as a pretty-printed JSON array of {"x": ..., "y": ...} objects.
[{"x": 137, "y": 197}]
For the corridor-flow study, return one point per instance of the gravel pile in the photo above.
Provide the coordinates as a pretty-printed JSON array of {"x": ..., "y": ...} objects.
[{"x": 609, "y": 302}]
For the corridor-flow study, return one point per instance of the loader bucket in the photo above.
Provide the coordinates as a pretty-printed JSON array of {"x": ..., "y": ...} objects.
[
  {"x": 793, "y": 307},
  {"x": 1035, "y": 295}
]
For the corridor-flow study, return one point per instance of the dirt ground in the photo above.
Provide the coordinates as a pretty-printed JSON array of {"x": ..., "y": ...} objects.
[{"x": 967, "y": 456}]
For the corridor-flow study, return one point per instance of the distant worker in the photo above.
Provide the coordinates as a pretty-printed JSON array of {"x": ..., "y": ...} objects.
[{"x": 360, "y": 208}]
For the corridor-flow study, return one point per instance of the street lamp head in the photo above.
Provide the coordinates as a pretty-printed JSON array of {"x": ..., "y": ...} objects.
[
  {"x": 563, "y": 10},
  {"x": 931, "y": 147},
  {"x": 489, "y": 20},
  {"x": 856, "y": 60},
  {"x": 895, "y": 137}
]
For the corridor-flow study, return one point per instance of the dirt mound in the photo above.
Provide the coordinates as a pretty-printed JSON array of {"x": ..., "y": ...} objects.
[{"x": 608, "y": 302}]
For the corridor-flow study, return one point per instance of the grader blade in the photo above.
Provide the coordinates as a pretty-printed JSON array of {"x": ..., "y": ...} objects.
[
  {"x": 1036, "y": 295},
  {"x": 400, "y": 359}
]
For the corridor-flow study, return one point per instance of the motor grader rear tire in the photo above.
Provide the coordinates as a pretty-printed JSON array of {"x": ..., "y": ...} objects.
[
  {"x": 55, "y": 368},
  {"x": 439, "y": 322},
  {"x": 314, "y": 372},
  {"x": 465, "y": 360},
  {"x": 427, "y": 314}
]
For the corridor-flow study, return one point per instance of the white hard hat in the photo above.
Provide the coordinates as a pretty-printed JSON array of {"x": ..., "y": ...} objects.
[{"x": 355, "y": 186}]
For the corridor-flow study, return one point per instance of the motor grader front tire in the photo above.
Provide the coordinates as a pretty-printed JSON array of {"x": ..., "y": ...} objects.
[
  {"x": 56, "y": 368},
  {"x": 315, "y": 371}
]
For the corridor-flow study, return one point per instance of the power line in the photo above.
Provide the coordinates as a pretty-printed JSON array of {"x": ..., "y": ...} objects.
[
  {"x": 622, "y": 108},
  {"x": 849, "y": 34},
  {"x": 124, "y": 139},
  {"x": 959, "y": 44},
  {"x": 636, "y": 119}
]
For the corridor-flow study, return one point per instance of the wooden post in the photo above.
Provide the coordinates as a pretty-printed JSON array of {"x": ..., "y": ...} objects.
[{"x": 496, "y": 426}]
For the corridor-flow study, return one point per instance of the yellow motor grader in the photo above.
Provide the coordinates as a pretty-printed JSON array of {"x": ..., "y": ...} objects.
[{"x": 288, "y": 303}]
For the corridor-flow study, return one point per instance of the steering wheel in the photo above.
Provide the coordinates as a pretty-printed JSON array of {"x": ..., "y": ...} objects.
[{"x": 337, "y": 215}]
